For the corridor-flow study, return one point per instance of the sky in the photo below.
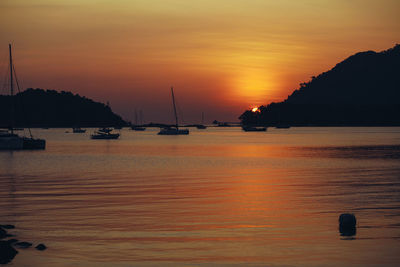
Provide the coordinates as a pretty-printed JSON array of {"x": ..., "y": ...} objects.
[{"x": 221, "y": 56}]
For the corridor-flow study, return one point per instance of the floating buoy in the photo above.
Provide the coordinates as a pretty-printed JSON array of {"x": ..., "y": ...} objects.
[{"x": 347, "y": 224}]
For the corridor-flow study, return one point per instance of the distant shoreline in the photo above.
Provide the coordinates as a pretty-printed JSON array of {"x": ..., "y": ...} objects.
[{"x": 211, "y": 126}]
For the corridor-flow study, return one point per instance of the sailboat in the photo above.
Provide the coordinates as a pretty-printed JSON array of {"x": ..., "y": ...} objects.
[
  {"x": 201, "y": 126},
  {"x": 171, "y": 130},
  {"x": 8, "y": 139},
  {"x": 136, "y": 127},
  {"x": 104, "y": 133}
]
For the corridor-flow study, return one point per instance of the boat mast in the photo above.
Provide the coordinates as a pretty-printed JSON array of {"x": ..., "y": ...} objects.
[
  {"x": 136, "y": 118},
  {"x": 173, "y": 102},
  {"x": 12, "y": 90},
  {"x": 141, "y": 117}
]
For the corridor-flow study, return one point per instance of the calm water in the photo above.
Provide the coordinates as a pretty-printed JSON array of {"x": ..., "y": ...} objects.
[{"x": 218, "y": 197}]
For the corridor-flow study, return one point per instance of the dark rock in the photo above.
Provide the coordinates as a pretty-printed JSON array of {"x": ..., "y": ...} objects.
[
  {"x": 347, "y": 224},
  {"x": 41, "y": 247},
  {"x": 3, "y": 233},
  {"x": 7, "y": 252},
  {"x": 7, "y": 226},
  {"x": 11, "y": 241},
  {"x": 23, "y": 244}
]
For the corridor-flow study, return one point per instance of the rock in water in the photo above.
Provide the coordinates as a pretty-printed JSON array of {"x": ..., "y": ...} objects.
[
  {"x": 41, "y": 247},
  {"x": 12, "y": 241},
  {"x": 7, "y": 252},
  {"x": 23, "y": 244},
  {"x": 7, "y": 226},
  {"x": 3, "y": 233},
  {"x": 347, "y": 224}
]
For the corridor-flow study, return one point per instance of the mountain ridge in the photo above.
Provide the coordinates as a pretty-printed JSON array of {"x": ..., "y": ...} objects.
[{"x": 363, "y": 89}]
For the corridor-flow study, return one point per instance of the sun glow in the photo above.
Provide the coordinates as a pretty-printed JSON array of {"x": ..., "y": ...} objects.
[
  {"x": 254, "y": 86},
  {"x": 255, "y": 109}
]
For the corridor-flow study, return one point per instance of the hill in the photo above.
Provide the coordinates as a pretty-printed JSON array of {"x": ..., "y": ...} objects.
[
  {"x": 49, "y": 108},
  {"x": 363, "y": 90}
]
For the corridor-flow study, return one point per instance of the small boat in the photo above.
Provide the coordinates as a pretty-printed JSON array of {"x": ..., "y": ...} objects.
[
  {"x": 31, "y": 143},
  {"x": 78, "y": 130},
  {"x": 253, "y": 129},
  {"x": 138, "y": 127},
  {"x": 201, "y": 126},
  {"x": 9, "y": 140},
  {"x": 104, "y": 133},
  {"x": 171, "y": 130}
]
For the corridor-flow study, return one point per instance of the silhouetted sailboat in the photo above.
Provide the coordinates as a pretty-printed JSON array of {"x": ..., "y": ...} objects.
[
  {"x": 176, "y": 130},
  {"x": 136, "y": 127},
  {"x": 104, "y": 133},
  {"x": 201, "y": 126},
  {"x": 8, "y": 139},
  {"x": 253, "y": 129}
]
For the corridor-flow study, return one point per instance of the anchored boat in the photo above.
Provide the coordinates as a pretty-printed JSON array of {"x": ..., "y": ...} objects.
[
  {"x": 172, "y": 130},
  {"x": 8, "y": 139},
  {"x": 104, "y": 133}
]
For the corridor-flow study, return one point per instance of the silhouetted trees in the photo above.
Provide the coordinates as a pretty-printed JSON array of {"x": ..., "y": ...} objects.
[{"x": 49, "y": 108}]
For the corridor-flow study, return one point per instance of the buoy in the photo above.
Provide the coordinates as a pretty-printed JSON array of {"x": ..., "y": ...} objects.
[{"x": 347, "y": 224}]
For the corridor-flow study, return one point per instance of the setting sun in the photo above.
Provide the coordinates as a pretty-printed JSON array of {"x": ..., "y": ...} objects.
[{"x": 254, "y": 109}]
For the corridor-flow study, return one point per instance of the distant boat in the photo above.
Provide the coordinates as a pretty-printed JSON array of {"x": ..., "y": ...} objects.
[
  {"x": 104, "y": 133},
  {"x": 138, "y": 127},
  {"x": 9, "y": 140},
  {"x": 171, "y": 130},
  {"x": 254, "y": 129},
  {"x": 201, "y": 126},
  {"x": 78, "y": 130}
]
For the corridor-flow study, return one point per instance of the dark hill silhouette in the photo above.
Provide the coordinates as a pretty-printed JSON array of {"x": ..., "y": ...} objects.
[
  {"x": 49, "y": 108},
  {"x": 364, "y": 89}
]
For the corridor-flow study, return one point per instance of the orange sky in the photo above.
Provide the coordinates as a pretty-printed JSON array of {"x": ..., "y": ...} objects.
[{"x": 222, "y": 56}]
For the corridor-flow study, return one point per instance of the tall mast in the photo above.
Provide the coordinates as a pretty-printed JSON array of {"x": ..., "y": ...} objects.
[
  {"x": 12, "y": 90},
  {"x": 173, "y": 102},
  {"x": 141, "y": 117},
  {"x": 202, "y": 118},
  {"x": 136, "y": 118}
]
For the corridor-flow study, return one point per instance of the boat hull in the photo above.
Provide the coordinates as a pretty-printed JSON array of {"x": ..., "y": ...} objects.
[
  {"x": 254, "y": 129},
  {"x": 30, "y": 143},
  {"x": 11, "y": 143},
  {"x": 20, "y": 143},
  {"x": 173, "y": 131},
  {"x": 104, "y": 136}
]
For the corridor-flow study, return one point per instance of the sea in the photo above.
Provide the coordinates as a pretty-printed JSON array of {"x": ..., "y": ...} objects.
[{"x": 216, "y": 197}]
